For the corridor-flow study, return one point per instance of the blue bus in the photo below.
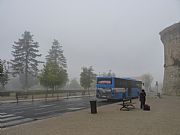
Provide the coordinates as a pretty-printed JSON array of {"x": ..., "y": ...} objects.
[{"x": 113, "y": 88}]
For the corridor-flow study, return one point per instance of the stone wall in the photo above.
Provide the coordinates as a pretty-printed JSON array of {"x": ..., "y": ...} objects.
[{"x": 170, "y": 37}]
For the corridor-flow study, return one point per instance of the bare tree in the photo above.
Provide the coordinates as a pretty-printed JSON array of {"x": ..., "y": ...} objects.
[{"x": 147, "y": 80}]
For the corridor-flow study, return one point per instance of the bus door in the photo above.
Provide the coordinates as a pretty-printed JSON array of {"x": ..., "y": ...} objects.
[
  {"x": 121, "y": 88},
  {"x": 129, "y": 88}
]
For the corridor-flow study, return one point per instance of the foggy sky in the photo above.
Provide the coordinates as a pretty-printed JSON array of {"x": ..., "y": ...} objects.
[{"x": 121, "y": 35}]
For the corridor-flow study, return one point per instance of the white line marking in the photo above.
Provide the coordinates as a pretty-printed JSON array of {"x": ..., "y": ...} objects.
[
  {"x": 10, "y": 118},
  {"x": 16, "y": 122},
  {"x": 19, "y": 112},
  {"x": 46, "y": 105},
  {"x": 3, "y": 113},
  {"x": 5, "y": 116},
  {"x": 75, "y": 108}
]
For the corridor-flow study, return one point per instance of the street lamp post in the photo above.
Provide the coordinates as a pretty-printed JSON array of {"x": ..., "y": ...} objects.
[{"x": 158, "y": 94}]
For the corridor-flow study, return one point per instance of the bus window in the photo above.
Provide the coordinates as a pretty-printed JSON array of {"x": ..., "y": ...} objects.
[
  {"x": 139, "y": 85},
  {"x": 133, "y": 84},
  {"x": 120, "y": 83}
]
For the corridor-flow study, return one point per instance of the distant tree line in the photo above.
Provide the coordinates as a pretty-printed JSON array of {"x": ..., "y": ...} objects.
[{"x": 25, "y": 63}]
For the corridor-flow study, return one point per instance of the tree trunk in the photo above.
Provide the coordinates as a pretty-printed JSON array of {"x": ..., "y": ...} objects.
[
  {"x": 88, "y": 92},
  {"x": 26, "y": 69}
]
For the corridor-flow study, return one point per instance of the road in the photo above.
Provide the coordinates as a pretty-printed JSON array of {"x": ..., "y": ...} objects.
[{"x": 12, "y": 114}]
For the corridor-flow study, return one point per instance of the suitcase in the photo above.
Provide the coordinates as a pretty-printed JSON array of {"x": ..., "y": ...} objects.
[{"x": 146, "y": 107}]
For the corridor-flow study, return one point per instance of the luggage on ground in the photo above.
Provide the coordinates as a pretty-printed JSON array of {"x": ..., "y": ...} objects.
[{"x": 146, "y": 107}]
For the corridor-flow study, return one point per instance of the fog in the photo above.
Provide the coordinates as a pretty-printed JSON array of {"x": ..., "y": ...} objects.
[{"x": 122, "y": 36}]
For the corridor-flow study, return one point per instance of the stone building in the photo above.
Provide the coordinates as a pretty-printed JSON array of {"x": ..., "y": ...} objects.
[{"x": 170, "y": 37}]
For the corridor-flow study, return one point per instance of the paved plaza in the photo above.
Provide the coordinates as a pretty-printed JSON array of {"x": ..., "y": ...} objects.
[{"x": 163, "y": 119}]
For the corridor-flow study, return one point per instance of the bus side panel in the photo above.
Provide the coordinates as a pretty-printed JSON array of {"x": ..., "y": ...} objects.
[
  {"x": 117, "y": 95},
  {"x": 134, "y": 92}
]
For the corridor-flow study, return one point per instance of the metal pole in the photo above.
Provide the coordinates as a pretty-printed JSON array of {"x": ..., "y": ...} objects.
[
  {"x": 158, "y": 94},
  {"x": 157, "y": 86}
]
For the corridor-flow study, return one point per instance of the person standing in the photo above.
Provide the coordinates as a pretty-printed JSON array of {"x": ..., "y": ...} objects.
[{"x": 142, "y": 98}]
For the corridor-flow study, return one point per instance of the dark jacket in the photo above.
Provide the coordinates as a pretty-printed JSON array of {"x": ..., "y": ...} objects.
[{"x": 142, "y": 96}]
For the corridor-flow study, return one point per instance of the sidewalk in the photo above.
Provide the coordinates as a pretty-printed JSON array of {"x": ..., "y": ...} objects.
[{"x": 163, "y": 119}]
